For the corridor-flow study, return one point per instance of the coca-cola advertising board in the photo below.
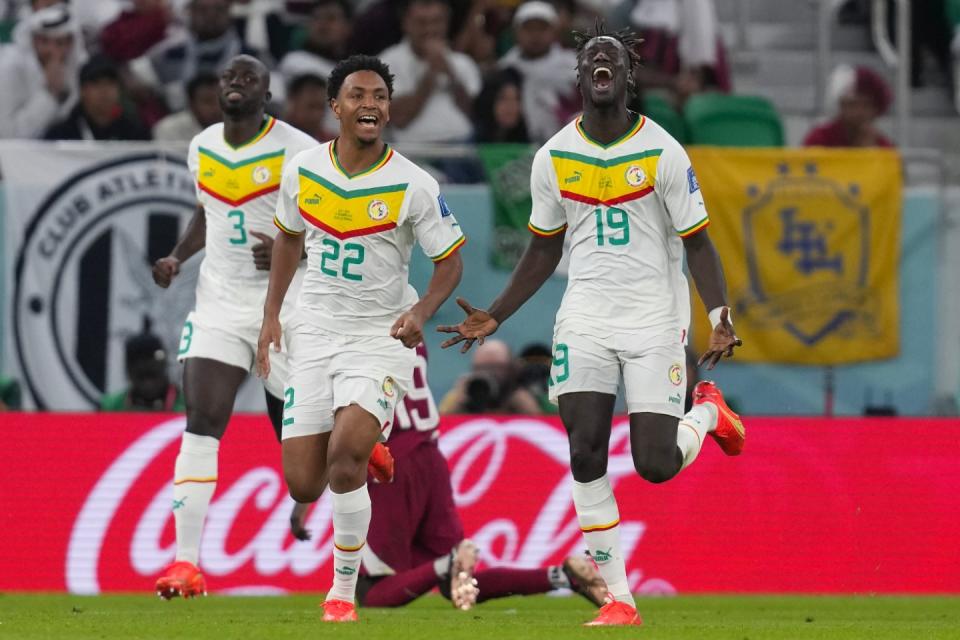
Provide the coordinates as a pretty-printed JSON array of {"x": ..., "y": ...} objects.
[{"x": 838, "y": 506}]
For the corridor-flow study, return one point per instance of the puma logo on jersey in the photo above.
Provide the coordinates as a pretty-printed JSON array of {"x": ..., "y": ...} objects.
[{"x": 577, "y": 175}]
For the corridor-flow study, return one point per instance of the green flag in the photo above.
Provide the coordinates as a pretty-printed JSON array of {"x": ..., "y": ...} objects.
[{"x": 507, "y": 167}]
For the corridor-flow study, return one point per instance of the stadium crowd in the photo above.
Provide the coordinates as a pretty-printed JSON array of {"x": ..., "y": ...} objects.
[{"x": 466, "y": 70}]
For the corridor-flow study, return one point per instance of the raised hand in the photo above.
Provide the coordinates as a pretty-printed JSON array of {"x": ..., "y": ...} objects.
[
  {"x": 262, "y": 250},
  {"x": 722, "y": 342},
  {"x": 475, "y": 327},
  {"x": 165, "y": 270}
]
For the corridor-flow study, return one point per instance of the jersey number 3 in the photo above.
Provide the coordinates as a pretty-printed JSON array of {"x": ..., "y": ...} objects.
[
  {"x": 241, "y": 237},
  {"x": 612, "y": 228}
]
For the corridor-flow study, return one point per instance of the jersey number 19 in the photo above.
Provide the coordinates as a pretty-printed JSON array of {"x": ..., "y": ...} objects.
[{"x": 612, "y": 228}]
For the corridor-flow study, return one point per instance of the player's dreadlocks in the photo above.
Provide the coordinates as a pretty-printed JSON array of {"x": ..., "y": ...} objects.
[
  {"x": 356, "y": 63},
  {"x": 630, "y": 41}
]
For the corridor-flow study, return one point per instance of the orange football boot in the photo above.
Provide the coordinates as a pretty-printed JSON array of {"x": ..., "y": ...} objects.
[
  {"x": 729, "y": 433},
  {"x": 615, "y": 614},
  {"x": 181, "y": 579},
  {"x": 339, "y": 611},
  {"x": 380, "y": 465}
]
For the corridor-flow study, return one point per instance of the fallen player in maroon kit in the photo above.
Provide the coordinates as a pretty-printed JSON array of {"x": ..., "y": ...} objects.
[{"x": 416, "y": 542}]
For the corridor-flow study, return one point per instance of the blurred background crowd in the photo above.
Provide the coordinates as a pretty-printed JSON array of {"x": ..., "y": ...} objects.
[{"x": 466, "y": 70}]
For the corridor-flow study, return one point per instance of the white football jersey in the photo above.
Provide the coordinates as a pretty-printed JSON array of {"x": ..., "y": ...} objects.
[
  {"x": 360, "y": 233},
  {"x": 626, "y": 206},
  {"x": 238, "y": 188}
]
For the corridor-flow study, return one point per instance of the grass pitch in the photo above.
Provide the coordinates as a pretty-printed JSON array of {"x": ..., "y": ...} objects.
[{"x": 24, "y": 617}]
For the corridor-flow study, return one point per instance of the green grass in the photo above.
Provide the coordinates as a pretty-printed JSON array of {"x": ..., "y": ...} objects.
[{"x": 696, "y": 618}]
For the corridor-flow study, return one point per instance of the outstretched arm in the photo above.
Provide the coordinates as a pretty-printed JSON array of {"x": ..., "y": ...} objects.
[
  {"x": 707, "y": 272},
  {"x": 193, "y": 239},
  {"x": 539, "y": 261}
]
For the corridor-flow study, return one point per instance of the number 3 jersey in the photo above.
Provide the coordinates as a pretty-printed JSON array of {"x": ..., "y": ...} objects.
[
  {"x": 360, "y": 230},
  {"x": 625, "y": 206},
  {"x": 238, "y": 187}
]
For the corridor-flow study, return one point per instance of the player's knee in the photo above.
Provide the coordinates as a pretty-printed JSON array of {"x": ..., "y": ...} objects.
[
  {"x": 587, "y": 463},
  {"x": 302, "y": 488},
  {"x": 203, "y": 422},
  {"x": 347, "y": 473},
  {"x": 655, "y": 468}
]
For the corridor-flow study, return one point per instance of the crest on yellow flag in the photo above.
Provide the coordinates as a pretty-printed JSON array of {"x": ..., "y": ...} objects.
[{"x": 810, "y": 243}]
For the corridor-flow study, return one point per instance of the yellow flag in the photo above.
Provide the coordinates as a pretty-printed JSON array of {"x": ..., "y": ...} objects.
[{"x": 810, "y": 243}]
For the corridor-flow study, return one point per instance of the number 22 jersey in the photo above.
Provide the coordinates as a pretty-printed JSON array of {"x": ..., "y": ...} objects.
[
  {"x": 360, "y": 230},
  {"x": 626, "y": 207},
  {"x": 238, "y": 187}
]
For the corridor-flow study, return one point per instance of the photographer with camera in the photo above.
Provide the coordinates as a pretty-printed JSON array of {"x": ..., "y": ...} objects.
[{"x": 491, "y": 386}]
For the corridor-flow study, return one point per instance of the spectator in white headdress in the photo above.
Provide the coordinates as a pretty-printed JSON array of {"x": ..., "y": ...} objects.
[{"x": 38, "y": 73}]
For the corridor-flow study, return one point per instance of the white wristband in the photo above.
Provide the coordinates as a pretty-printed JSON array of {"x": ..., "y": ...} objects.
[{"x": 714, "y": 316}]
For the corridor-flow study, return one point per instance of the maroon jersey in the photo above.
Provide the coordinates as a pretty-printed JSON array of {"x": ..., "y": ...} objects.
[{"x": 416, "y": 419}]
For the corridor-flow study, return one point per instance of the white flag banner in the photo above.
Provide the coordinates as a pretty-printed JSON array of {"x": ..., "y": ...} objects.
[{"x": 83, "y": 223}]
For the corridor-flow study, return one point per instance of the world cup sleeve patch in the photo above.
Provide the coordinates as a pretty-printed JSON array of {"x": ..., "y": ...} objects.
[
  {"x": 444, "y": 208},
  {"x": 692, "y": 180}
]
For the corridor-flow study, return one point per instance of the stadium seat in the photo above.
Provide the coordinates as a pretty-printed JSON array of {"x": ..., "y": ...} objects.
[
  {"x": 658, "y": 109},
  {"x": 953, "y": 13},
  {"x": 6, "y": 30},
  {"x": 732, "y": 121}
]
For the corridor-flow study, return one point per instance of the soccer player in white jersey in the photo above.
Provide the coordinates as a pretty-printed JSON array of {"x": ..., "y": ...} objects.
[
  {"x": 359, "y": 207},
  {"x": 237, "y": 165},
  {"x": 625, "y": 192}
]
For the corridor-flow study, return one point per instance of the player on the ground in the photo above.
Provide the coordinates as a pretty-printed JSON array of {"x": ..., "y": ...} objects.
[
  {"x": 359, "y": 207},
  {"x": 625, "y": 192},
  {"x": 416, "y": 538},
  {"x": 237, "y": 165}
]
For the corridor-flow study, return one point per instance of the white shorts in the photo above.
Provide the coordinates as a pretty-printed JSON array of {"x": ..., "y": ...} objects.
[
  {"x": 653, "y": 367},
  {"x": 330, "y": 371},
  {"x": 233, "y": 345}
]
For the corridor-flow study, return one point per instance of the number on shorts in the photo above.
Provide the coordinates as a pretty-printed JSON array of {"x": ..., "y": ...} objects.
[
  {"x": 288, "y": 394},
  {"x": 353, "y": 254},
  {"x": 561, "y": 361},
  {"x": 238, "y": 225},
  {"x": 615, "y": 220},
  {"x": 186, "y": 338}
]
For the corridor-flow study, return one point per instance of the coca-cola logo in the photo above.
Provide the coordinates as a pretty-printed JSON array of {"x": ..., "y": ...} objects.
[{"x": 123, "y": 534}]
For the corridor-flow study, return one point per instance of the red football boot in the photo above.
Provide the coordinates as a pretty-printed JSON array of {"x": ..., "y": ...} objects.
[
  {"x": 615, "y": 614},
  {"x": 729, "y": 433},
  {"x": 339, "y": 611},
  {"x": 380, "y": 465},
  {"x": 181, "y": 579}
]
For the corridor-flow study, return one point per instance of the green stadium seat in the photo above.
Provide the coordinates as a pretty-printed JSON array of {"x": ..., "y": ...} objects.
[
  {"x": 953, "y": 13},
  {"x": 732, "y": 121},
  {"x": 658, "y": 109},
  {"x": 6, "y": 30}
]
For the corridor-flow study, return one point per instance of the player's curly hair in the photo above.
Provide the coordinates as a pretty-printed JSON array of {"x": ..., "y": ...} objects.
[
  {"x": 356, "y": 63},
  {"x": 627, "y": 37}
]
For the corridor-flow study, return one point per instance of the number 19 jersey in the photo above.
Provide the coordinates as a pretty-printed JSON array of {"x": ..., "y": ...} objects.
[
  {"x": 237, "y": 187},
  {"x": 626, "y": 205}
]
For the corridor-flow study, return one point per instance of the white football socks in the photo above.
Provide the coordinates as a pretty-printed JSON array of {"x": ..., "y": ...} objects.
[
  {"x": 693, "y": 429},
  {"x": 351, "y": 520},
  {"x": 600, "y": 523},
  {"x": 194, "y": 480}
]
